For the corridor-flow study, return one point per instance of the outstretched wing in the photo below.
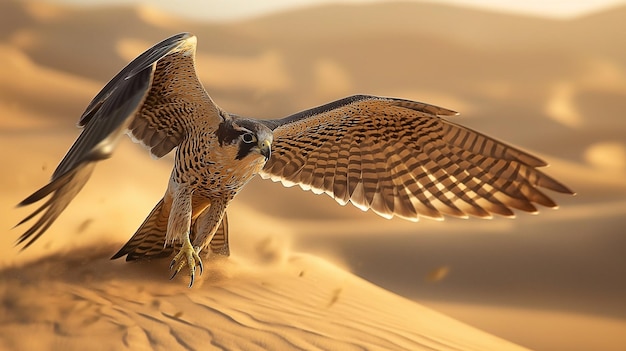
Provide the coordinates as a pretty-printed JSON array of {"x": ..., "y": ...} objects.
[
  {"x": 147, "y": 99},
  {"x": 399, "y": 158}
]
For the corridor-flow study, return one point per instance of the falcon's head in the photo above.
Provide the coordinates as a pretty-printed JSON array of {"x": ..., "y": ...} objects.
[{"x": 250, "y": 137}]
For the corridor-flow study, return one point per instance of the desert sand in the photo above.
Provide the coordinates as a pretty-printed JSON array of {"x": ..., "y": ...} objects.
[{"x": 306, "y": 273}]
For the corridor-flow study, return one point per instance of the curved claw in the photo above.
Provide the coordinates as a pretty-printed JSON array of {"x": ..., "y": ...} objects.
[{"x": 187, "y": 256}]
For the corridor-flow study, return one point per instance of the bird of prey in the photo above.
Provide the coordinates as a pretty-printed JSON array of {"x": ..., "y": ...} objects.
[{"x": 393, "y": 156}]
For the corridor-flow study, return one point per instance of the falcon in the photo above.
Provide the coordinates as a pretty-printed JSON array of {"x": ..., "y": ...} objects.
[{"x": 396, "y": 157}]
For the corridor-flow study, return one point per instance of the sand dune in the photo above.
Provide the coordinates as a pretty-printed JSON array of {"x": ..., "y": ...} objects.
[
  {"x": 559, "y": 93},
  {"x": 301, "y": 303}
]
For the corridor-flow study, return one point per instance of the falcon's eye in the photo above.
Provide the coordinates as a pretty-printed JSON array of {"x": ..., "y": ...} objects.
[{"x": 248, "y": 138}]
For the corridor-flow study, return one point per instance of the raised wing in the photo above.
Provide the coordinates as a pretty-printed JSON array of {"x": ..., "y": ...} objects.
[
  {"x": 149, "y": 99},
  {"x": 399, "y": 158}
]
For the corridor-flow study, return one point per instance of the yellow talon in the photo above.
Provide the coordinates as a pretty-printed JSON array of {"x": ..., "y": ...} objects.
[{"x": 188, "y": 255}]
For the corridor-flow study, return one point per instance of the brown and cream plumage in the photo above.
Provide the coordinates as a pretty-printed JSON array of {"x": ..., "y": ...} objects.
[{"x": 393, "y": 156}]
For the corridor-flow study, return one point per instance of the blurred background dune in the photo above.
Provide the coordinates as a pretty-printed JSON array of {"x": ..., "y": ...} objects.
[{"x": 555, "y": 87}]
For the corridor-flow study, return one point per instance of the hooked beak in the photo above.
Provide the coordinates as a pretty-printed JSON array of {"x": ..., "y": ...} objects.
[{"x": 266, "y": 149}]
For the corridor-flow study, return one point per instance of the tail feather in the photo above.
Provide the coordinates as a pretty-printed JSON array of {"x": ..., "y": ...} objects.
[
  {"x": 219, "y": 242},
  {"x": 148, "y": 242}
]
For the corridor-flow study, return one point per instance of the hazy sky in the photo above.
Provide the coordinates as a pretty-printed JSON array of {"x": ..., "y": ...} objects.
[{"x": 235, "y": 9}]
